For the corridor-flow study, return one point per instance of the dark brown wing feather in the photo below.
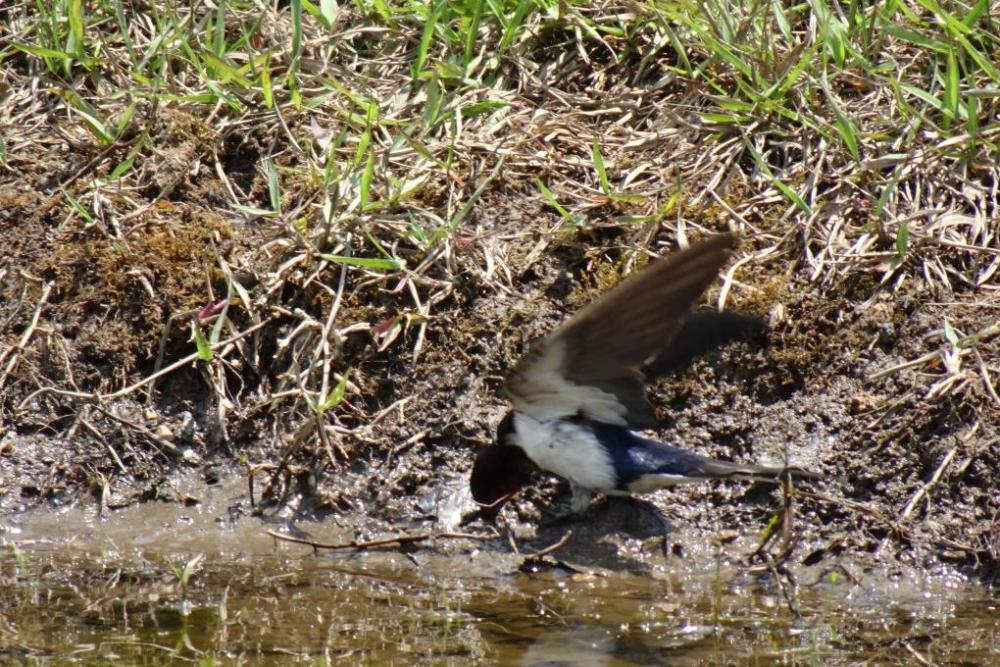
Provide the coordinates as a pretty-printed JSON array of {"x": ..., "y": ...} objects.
[{"x": 605, "y": 344}]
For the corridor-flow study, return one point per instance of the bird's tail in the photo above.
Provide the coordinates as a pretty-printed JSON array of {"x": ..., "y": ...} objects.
[{"x": 713, "y": 469}]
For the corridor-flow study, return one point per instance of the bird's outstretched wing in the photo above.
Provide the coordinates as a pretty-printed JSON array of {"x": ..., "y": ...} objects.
[{"x": 591, "y": 364}]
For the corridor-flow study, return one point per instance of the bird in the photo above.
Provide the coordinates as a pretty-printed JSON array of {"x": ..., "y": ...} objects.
[{"x": 578, "y": 396}]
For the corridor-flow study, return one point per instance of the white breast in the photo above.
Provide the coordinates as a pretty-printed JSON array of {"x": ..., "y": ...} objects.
[{"x": 568, "y": 450}]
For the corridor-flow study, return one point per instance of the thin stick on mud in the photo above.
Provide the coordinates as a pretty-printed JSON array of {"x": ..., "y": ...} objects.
[
  {"x": 900, "y": 532},
  {"x": 146, "y": 380},
  {"x": 399, "y": 540},
  {"x": 26, "y": 336},
  {"x": 935, "y": 478},
  {"x": 553, "y": 547}
]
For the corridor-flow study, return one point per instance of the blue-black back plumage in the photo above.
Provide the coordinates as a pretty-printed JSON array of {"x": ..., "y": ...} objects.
[{"x": 634, "y": 456}]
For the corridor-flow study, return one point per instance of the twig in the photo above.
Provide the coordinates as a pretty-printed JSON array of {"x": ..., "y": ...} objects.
[
  {"x": 919, "y": 361},
  {"x": 549, "y": 549},
  {"x": 987, "y": 381},
  {"x": 538, "y": 559},
  {"x": 900, "y": 532},
  {"x": 935, "y": 478},
  {"x": 374, "y": 544},
  {"x": 141, "y": 383},
  {"x": 26, "y": 336},
  {"x": 145, "y": 432},
  {"x": 919, "y": 658},
  {"x": 780, "y": 573}
]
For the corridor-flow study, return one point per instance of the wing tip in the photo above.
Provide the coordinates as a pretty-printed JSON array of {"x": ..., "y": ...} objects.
[{"x": 722, "y": 242}]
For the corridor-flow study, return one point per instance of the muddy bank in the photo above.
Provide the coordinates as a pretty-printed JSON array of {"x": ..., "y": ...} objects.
[{"x": 835, "y": 388}]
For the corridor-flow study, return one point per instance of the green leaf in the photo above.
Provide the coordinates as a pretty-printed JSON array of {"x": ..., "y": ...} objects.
[
  {"x": 273, "y": 187},
  {"x": 330, "y": 10},
  {"x": 426, "y": 36},
  {"x": 41, "y": 52},
  {"x": 366, "y": 180},
  {"x": 220, "y": 29},
  {"x": 978, "y": 10},
  {"x": 378, "y": 246},
  {"x": 75, "y": 42},
  {"x": 773, "y": 524},
  {"x": 266, "y": 87},
  {"x": 722, "y": 119},
  {"x": 778, "y": 11},
  {"x": 951, "y": 83},
  {"x": 121, "y": 169},
  {"x": 894, "y": 30},
  {"x": 845, "y": 127},
  {"x": 201, "y": 343},
  {"x": 224, "y": 71},
  {"x": 784, "y": 189},
  {"x": 515, "y": 25},
  {"x": 950, "y": 335},
  {"x": 125, "y": 120},
  {"x": 254, "y": 211},
  {"x": 296, "y": 10},
  {"x": 954, "y": 25},
  {"x": 96, "y": 127},
  {"x": 972, "y": 114},
  {"x": 335, "y": 397},
  {"x": 216, "y": 333},
  {"x": 471, "y": 32},
  {"x": 364, "y": 262},
  {"x": 551, "y": 199},
  {"x": 79, "y": 208},
  {"x": 480, "y": 108},
  {"x": 598, "y": 159},
  {"x": 848, "y": 133},
  {"x": 902, "y": 239}
]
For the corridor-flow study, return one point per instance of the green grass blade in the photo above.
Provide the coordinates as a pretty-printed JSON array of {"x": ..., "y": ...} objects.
[
  {"x": 515, "y": 26},
  {"x": 902, "y": 240},
  {"x": 423, "y": 48},
  {"x": 780, "y": 185},
  {"x": 80, "y": 209},
  {"x": 951, "y": 84},
  {"x": 335, "y": 397},
  {"x": 201, "y": 344},
  {"x": 598, "y": 160},
  {"x": 472, "y": 32},
  {"x": 273, "y": 187},
  {"x": 296, "y": 10},
  {"x": 377, "y": 263},
  {"x": 74, "y": 43},
  {"x": 551, "y": 199},
  {"x": 366, "y": 180},
  {"x": 219, "y": 38}
]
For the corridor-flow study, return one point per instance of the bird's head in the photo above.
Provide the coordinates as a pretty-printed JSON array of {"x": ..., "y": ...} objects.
[{"x": 502, "y": 468}]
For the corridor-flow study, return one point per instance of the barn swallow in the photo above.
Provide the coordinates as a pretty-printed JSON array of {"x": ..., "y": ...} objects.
[{"x": 578, "y": 396}]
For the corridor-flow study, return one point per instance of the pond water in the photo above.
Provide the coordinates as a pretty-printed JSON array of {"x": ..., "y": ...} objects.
[{"x": 75, "y": 588}]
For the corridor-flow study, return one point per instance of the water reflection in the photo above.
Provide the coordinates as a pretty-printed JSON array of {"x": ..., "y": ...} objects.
[{"x": 132, "y": 591}]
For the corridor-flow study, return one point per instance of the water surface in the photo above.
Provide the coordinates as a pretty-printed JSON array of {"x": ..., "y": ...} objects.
[{"x": 77, "y": 588}]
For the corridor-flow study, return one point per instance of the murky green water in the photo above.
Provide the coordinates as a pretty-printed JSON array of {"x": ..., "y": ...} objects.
[
  {"x": 76, "y": 589},
  {"x": 73, "y": 606}
]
